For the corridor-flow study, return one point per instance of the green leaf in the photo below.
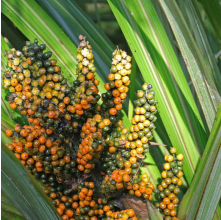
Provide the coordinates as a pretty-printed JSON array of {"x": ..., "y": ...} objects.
[
  {"x": 8, "y": 210},
  {"x": 22, "y": 189},
  {"x": 212, "y": 10},
  {"x": 6, "y": 122},
  {"x": 196, "y": 27},
  {"x": 203, "y": 196},
  {"x": 153, "y": 212},
  {"x": 205, "y": 88},
  {"x": 159, "y": 66}
]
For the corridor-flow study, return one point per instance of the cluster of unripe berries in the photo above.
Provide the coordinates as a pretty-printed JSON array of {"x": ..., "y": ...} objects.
[
  {"x": 169, "y": 187},
  {"x": 40, "y": 91},
  {"x": 40, "y": 152},
  {"x": 130, "y": 157},
  {"x": 57, "y": 111},
  {"x": 71, "y": 133}
]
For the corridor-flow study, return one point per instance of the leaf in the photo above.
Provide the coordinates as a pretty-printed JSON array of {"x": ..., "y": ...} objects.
[
  {"x": 153, "y": 212},
  {"x": 158, "y": 144},
  {"x": 8, "y": 210},
  {"x": 205, "y": 88},
  {"x": 6, "y": 122},
  {"x": 203, "y": 196},
  {"x": 212, "y": 10},
  {"x": 159, "y": 66},
  {"x": 138, "y": 206},
  {"x": 193, "y": 15},
  {"x": 22, "y": 189}
]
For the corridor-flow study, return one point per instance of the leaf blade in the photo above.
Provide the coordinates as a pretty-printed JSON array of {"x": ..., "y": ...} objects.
[
  {"x": 205, "y": 188},
  {"x": 207, "y": 93}
]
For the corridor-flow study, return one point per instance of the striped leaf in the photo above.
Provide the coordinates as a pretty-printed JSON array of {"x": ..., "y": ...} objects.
[
  {"x": 205, "y": 88},
  {"x": 204, "y": 194}
]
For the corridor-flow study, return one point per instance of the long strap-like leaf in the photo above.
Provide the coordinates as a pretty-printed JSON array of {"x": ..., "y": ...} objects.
[
  {"x": 202, "y": 197},
  {"x": 205, "y": 88}
]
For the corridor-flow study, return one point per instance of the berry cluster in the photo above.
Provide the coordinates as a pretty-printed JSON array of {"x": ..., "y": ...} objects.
[
  {"x": 129, "y": 159},
  {"x": 60, "y": 113},
  {"x": 104, "y": 119},
  {"x": 125, "y": 214},
  {"x": 40, "y": 91},
  {"x": 57, "y": 111},
  {"x": 89, "y": 149},
  {"x": 169, "y": 187},
  {"x": 119, "y": 81},
  {"x": 40, "y": 152}
]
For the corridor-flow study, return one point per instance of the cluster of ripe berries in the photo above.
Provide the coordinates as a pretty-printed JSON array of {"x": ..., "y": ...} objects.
[
  {"x": 40, "y": 152},
  {"x": 40, "y": 91},
  {"x": 59, "y": 111},
  {"x": 117, "y": 87},
  {"x": 56, "y": 111},
  {"x": 104, "y": 118},
  {"x": 169, "y": 187},
  {"x": 130, "y": 158}
]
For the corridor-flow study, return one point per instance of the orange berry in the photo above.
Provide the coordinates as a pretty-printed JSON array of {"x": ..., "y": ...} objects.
[
  {"x": 9, "y": 132},
  {"x": 48, "y": 95},
  {"x": 69, "y": 213},
  {"x": 106, "y": 208},
  {"x": 66, "y": 100},
  {"x": 149, "y": 191},
  {"x": 60, "y": 211},
  {"x": 65, "y": 217},
  {"x": 113, "y": 111},
  {"x": 112, "y": 149},
  {"x": 13, "y": 105},
  {"x": 24, "y": 156},
  {"x": 111, "y": 77},
  {"x": 126, "y": 178},
  {"x": 166, "y": 200},
  {"x": 90, "y": 75},
  {"x": 138, "y": 193},
  {"x": 107, "y": 86}
]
